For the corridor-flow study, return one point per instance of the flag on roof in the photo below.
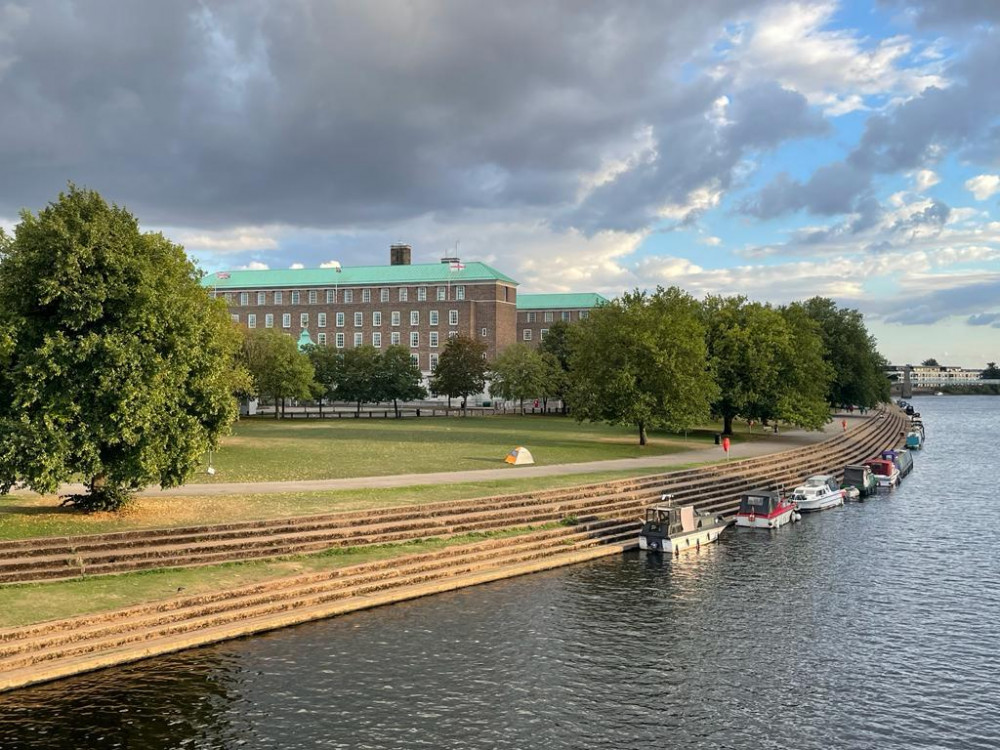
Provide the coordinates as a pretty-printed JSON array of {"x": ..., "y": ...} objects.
[
  {"x": 222, "y": 275},
  {"x": 456, "y": 265}
]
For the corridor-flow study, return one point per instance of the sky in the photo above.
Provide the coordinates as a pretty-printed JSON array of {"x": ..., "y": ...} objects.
[{"x": 777, "y": 150}]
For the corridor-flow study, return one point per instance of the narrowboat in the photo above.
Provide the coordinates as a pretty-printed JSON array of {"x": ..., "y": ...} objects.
[
  {"x": 914, "y": 440},
  {"x": 674, "y": 528},
  {"x": 885, "y": 471},
  {"x": 902, "y": 458},
  {"x": 765, "y": 509},
  {"x": 818, "y": 493},
  {"x": 861, "y": 478}
]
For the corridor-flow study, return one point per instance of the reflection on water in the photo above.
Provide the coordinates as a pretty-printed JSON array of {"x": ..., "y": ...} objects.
[{"x": 867, "y": 626}]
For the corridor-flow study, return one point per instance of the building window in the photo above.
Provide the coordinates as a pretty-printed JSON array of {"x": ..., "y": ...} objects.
[
  {"x": 313, "y": 296},
  {"x": 394, "y": 318},
  {"x": 377, "y": 339},
  {"x": 433, "y": 317},
  {"x": 531, "y": 317},
  {"x": 527, "y": 334},
  {"x": 321, "y": 339},
  {"x": 415, "y": 359},
  {"x": 230, "y": 297},
  {"x": 376, "y": 318},
  {"x": 359, "y": 319},
  {"x": 404, "y": 294},
  {"x": 564, "y": 315},
  {"x": 331, "y": 296},
  {"x": 414, "y": 317},
  {"x": 542, "y": 334},
  {"x": 384, "y": 294},
  {"x": 235, "y": 317},
  {"x": 414, "y": 339},
  {"x": 251, "y": 321},
  {"x": 433, "y": 341},
  {"x": 584, "y": 314},
  {"x": 348, "y": 295},
  {"x": 321, "y": 320},
  {"x": 484, "y": 332},
  {"x": 244, "y": 299},
  {"x": 421, "y": 294},
  {"x": 340, "y": 320},
  {"x": 303, "y": 320},
  {"x": 340, "y": 341},
  {"x": 452, "y": 334},
  {"x": 442, "y": 293},
  {"x": 434, "y": 361},
  {"x": 366, "y": 295},
  {"x": 548, "y": 317},
  {"x": 286, "y": 320},
  {"x": 359, "y": 340},
  {"x": 394, "y": 338},
  {"x": 296, "y": 297},
  {"x": 261, "y": 298},
  {"x": 269, "y": 321},
  {"x": 453, "y": 317},
  {"x": 460, "y": 292},
  {"x": 279, "y": 298}
]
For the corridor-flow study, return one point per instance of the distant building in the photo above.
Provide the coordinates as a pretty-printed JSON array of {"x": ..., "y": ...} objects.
[
  {"x": 419, "y": 306},
  {"x": 537, "y": 312},
  {"x": 933, "y": 376}
]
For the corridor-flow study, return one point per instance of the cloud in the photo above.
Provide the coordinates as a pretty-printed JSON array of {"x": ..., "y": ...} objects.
[
  {"x": 985, "y": 319},
  {"x": 832, "y": 189},
  {"x": 330, "y": 264},
  {"x": 925, "y": 178},
  {"x": 983, "y": 186},
  {"x": 235, "y": 240},
  {"x": 253, "y": 265},
  {"x": 295, "y": 266}
]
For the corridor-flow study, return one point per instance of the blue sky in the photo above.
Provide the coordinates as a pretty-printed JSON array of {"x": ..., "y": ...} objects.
[{"x": 774, "y": 149}]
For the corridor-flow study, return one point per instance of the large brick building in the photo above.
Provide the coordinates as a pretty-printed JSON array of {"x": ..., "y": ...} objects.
[{"x": 414, "y": 305}]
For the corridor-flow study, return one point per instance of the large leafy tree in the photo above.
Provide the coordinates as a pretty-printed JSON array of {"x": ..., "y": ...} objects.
[
  {"x": 852, "y": 352},
  {"x": 518, "y": 373},
  {"x": 115, "y": 364},
  {"x": 461, "y": 369},
  {"x": 279, "y": 370},
  {"x": 328, "y": 365},
  {"x": 401, "y": 377},
  {"x": 555, "y": 348},
  {"x": 992, "y": 372},
  {"x": 361, "y": 378},
  {"x": 641, "y": 360}
]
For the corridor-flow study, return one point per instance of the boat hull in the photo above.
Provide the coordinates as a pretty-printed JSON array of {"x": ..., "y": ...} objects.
[
  {"x": 766, "y": 522},
  {"x": 675, "y": 545},
  {"x": 887, "y": 482},
  {"x": 823, "y": 502}
]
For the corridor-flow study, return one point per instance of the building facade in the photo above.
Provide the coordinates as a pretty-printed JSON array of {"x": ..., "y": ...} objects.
[
  {"x": 537, "y": 312},
  {"x": 932, "y": 376}
]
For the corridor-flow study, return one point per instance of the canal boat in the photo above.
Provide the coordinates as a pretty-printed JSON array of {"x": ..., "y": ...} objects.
[
  {"x": 914, "y": 439},
  {"x": 674, "y": 528},
  {"x": 903, "y": 460},
  {"x": 885, "y": 471},
  {"x": 818, "y": 493},
  {"x": 860, "y": 477},
  {"x": 765, "y": 509},
  {"x": 918, "y": 424}
]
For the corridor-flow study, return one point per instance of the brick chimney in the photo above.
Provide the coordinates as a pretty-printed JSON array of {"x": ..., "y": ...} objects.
[{"x": 399, "y": 255}]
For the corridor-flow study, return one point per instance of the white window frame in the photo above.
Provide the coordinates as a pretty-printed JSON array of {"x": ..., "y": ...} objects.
[
  {"x": 565, "y": 315},
  {"x": 303, "y": 320},
  {"x": 414, "y": 317},
  {"x": 542, "y": 334},
  {"x": 313, "y": 296},
  {"x": 331, "y": 296},
  {"x": 531, "y": 317},
  {"x": 433, "y": 361},
  {"x": 359, "y": 339},
  {"x": 453, "y": 317},
  {"x": 432, "y": 339},
  {"x": 340, "y": 320},
  {"x": 321, "y": 339},
  {"x": 269, "y": 320},
  {"x": 442, "y": 293},
  {"x": 547, "y": 317},
  {"x": 394, "y": 318},
  {"x": 414, "y": 340},
  {"x": 261, "y": 298},
  {"x": 286, "y": 320},
  {"x": 339, "y": 341},
  {"x": 377, "y": 339},
  {"x": 279, "y": 298},
  {"x": 321, "y": 320},
  {"x": 421, "y": 294},
  {"x": 366, "y": 294},
  {"x": 404, "y": 294},
  {"x": 377, "y": 318},
  {"x": 359, "y": 319},
  {"x": 460, "y": 292},
  {"x": 235, "y": 317},
  {"x": 244, "y": 299},
  {"x": 384, "y": 294},
  {"x": 296, "y": 297},
  {"x": 348, "y": 295},
  {"x": 394, "y": 338},
  {"x": 251, "y": 320},
  {"x": 526, "y": 334}
]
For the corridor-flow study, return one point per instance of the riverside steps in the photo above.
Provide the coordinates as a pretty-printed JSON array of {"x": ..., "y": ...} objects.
[
  {"x": 714, "y": 488},
  {"x": 598, "y": 520}
]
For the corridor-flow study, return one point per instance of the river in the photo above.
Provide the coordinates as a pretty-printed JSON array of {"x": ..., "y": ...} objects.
[{"x": 869, "y": 626}]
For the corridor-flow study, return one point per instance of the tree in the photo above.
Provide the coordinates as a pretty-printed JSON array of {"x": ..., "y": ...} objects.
[
  {"x": 768, "y": 363},
  {"x": 931, "y": 362},
  {"x": 992, "y": 372},
  {"x": 556, "y": 344},
  {"x": 328, "y": 365},
  {"x": 518, "y": 373},
  {"x": 115, "y": 364},
  {"x": 360, "y": 379},
  {"x": 641, "y": 360},
  {"x": 402, "y": 379},
  {"x": 858, "y": 367},
  {"x": 461, "y": 369},
  {"x": 279, "y": 370}
]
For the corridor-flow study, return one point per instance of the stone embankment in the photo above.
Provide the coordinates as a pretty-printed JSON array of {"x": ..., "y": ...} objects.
[{"x": 598, "y": 520}]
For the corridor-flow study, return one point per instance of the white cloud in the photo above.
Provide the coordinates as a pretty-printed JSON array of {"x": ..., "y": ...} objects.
[
  {"x": 234, "y": 240},
  {"x": 983, "y": 186},
  {"x": 330, "y": 264},
  {"x": 254, "y": 265},
  {"x": 711, "y": 241},
  {"x": 698, "y": 202},
  {"x": 296, "y": 266},
  {"x": 925, "y": 178}
]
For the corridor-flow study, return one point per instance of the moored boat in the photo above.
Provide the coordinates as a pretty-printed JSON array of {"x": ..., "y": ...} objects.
[
  {"x": 674, "y": 528},
  {"x": 861, "y": 478},
  {"x": 885, "y": 471},
  {"x": 765, "y": 509},
  {"x": 818, "y": 493},
  {"x": 852, "y": 494},
  {"x": 914, "y": 439},
  {"x": 903, "y": 460}
]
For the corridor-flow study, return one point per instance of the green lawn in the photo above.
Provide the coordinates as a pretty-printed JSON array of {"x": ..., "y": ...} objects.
[
  {"x": 268, "y": 449},
  {"x": 25, "y": 516}
]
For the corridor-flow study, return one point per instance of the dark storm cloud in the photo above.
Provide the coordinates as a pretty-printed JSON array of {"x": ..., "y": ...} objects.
[{"x": 336, "y": 114}]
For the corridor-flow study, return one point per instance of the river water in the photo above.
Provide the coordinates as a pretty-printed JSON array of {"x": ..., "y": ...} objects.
[{"x": 875, "y": 625}]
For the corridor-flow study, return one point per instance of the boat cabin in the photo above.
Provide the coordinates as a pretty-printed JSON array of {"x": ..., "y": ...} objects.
[
  {"x": 759, "y": 502},
  {"x": 881, "y": 467},
  {"x": 860, "y": 476},
  {"x": 903, "y": 460},
  {"x": 670, "y": 520}
]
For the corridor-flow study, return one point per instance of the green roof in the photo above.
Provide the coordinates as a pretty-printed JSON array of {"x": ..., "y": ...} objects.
[
  {"x": 572, "y": 301},
  {"x": 421, "y": 273}
]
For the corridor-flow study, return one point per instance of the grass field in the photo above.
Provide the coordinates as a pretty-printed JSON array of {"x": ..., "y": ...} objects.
[
  {"x": 267, "y": 449},
  {"x": 25, "y": 516}
]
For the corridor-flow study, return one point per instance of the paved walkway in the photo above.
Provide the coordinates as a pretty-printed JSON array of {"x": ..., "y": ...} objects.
[{"x": 788, "y": 440}]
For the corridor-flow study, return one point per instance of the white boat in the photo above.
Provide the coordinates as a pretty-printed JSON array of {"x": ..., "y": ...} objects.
[
  {"x": 818, "y": 493},
  {"x": 765, "y": 509},
  {"x": 673, "y": 528},
  {"x": 886, "y": 472}
]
